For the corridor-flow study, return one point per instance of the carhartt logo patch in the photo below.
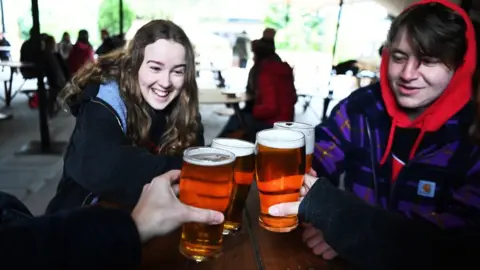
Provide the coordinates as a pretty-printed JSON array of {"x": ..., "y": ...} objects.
[{"x": 426, "y": 188}]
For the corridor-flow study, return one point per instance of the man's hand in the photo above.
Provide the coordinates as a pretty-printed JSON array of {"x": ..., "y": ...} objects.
[
  {"x": 311, "y": 236},
  {"x": 291, "y": 208},
  {"x": 314, "y": 240},
  {"x": 159, "y": 211}
]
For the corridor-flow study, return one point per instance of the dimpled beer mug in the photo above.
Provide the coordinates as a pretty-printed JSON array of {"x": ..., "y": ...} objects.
[
  {"x": 243, "y": 176},
  {"x": 309, "y": 133},
  {"x": 206, "y": 182},
  {"x": 280, "y": 168}
]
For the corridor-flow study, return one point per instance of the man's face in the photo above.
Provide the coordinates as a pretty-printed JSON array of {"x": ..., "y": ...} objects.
[{"x": 415, "y": 82}]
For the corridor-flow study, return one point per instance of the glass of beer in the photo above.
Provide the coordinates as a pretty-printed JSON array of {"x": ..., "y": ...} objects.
[
  {"x": 309, "y": 133},
  {"x": 243, "y": 176},
  {"x": 280, "y": 168},
  {"x": 206, "y": 182}
]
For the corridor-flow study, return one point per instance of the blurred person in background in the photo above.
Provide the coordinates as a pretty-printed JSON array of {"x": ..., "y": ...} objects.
[
  {"x": 81, "y": 53},
  {"x": 273, "y": 94},
  {"x": 5, "y": 52},
  {"x": 108, "y": 43},
  {"x": 28, "y": 54},
  {"x": 241, "y": 49},
  {"x": 57, "y": 74},
  {"x": 65, "y": 46}
]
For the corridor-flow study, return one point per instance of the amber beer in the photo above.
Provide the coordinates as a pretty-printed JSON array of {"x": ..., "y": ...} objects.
[
  {"x": 243, "y": 176},
  {"x": 280, "y": 168},
  {"x": 206, "y": 182},
  {"x": 309, "y": 133}
]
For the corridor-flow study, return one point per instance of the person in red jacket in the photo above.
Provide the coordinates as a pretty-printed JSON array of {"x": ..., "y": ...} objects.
[
  {"x": 274, "y": 94},
  {"x": 81, "y": 52}
]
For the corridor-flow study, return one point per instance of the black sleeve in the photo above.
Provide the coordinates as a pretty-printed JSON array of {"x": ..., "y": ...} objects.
[
  {"x": 101, "y": 49},
  {"x": 372, "y": 238},
  {"x": 103, "y": 161},
  {"x": 89, "y": 238}
]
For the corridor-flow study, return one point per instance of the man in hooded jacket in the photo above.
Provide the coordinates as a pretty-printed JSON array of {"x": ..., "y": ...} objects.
[{"x": 412, "y": 172}]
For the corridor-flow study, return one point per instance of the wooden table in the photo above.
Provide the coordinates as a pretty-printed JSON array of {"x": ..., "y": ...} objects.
[
  {"x": 253, "y": 248},
  {"x": 215, "y": 96},
  {"x": 13, "y": 65}
]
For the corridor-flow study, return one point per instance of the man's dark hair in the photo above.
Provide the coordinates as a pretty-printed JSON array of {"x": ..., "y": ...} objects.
[
  {"x": 434, "y": 30},
  {"x": 262, "y": 49}
]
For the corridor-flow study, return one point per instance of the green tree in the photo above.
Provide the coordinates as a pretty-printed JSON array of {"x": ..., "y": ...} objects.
[
  {"x": 25, "y": 24},
  {"x": 297, "y": 28},
  {"x": 277, "y": 16},
  {"x": 313, "y": 29},
  {"x": 109, "y": 16}
]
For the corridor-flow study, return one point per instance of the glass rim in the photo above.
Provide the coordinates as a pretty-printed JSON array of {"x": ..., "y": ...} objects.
[
  {"x": 305, "y": 125},
  {"x": 250, "y": 145},
  {"x": 188, "y": 158},
  {"x": 302, "y": 136}
]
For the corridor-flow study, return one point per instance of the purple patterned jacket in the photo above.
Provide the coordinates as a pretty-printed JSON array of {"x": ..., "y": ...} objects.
[{"x": 441, "y": 184}]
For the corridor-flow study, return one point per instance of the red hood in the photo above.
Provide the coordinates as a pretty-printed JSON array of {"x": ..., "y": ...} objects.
[
  {"x": 276, "y": 67},
  {"x": 81, "y": 45},
  {"x": 453, "y": 99}
]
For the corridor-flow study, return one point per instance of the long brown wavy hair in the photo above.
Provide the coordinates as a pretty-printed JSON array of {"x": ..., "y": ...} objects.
[{"x": 123, "y": 65}]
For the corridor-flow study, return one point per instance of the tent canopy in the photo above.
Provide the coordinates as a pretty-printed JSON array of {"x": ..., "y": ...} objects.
[{"x": 394, "y": 7}]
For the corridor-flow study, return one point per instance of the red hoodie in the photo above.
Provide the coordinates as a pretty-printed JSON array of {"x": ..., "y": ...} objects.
[
  {"x": 80, "y": 54},
  {"x": 453, "y": 99},
  {"x": 275, "y": 92}
]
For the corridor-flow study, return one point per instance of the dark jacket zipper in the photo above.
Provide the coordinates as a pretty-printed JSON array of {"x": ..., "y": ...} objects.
[
  {"x": 90, "y": 198},
  {"x": 391, "y": 200},
  {"x": 110, "y": 109},
  {"x": 373, "y": 162}
]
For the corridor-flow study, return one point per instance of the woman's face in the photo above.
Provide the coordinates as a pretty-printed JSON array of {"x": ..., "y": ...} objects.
[{"x": 162, "y": 74}]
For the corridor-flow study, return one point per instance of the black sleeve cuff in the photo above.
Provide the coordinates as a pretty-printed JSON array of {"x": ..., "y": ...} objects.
[{"x": 106, "y": 238}]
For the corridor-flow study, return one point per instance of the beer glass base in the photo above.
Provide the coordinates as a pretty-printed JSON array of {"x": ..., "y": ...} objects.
[
  {"x": 199, "y": 254},
  {"x": 231, "y": 231},
  {"x": 277, "y": 229},
  {"x": 231, "y": 228}
]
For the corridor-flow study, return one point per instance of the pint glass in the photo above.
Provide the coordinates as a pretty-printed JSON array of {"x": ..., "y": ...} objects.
[
  {"x": 280, "y": 168},
  {"x": 309, "y": 133},
  {"x": 206, "y": 182},
  {"x": 243, "y": 176}
]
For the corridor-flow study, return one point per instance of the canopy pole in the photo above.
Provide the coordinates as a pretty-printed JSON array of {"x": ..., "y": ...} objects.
[
  {"x": 42, "y": 95},
  {"x": 329, "y": 98},
  {"x": 3, "y": 16}
]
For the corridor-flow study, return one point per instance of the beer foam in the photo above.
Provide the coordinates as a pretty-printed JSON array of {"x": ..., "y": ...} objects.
[
  {"x": 208, "y": 156},
  {"x": 281, "y": 138},
  {"x": 307, "y": 130},
  {"x": 238, "y": 147}
]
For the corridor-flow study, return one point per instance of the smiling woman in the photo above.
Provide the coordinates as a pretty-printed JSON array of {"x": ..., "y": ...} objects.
[
  {"x": 136, "y": 110},
  {"x": 161, "y": 80}
]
